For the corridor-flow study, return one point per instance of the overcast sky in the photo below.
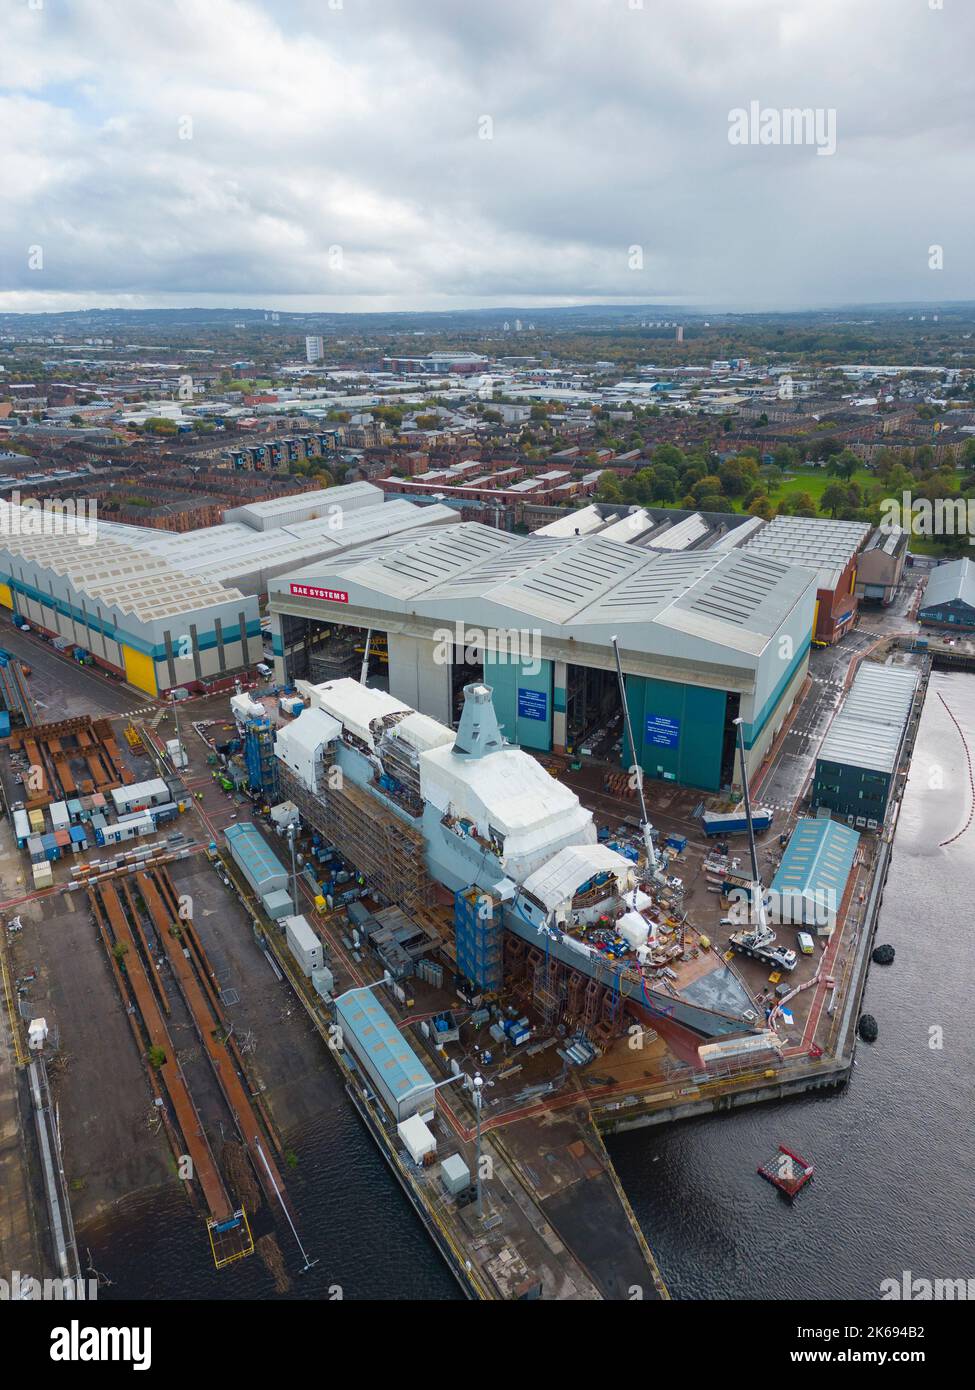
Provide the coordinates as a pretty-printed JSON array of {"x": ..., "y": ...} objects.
[{"x": 336, "y": 156}]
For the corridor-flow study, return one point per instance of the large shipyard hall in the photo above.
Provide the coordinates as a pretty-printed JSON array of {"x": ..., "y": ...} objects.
[{"x": 705, "y": 637}]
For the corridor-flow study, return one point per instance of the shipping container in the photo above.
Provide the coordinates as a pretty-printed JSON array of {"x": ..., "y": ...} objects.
[{"x": 43, "y": 876}]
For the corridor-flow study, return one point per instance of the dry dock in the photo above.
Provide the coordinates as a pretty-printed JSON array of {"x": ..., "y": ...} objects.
[{"x": 555, "y": 1223}]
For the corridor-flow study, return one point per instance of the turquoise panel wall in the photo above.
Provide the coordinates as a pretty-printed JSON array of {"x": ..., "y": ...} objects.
[
  {"x": 679, "y": 731},
  {"x": 523, "y": 702},
  {"x": 753, "y": 731}
]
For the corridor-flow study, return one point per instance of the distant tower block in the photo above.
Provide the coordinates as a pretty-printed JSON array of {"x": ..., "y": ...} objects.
[
  {"x": 478, "y": 733},
  {"x": 680, "y": 332}
]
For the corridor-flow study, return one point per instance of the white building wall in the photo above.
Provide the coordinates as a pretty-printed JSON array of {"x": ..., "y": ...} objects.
[{"x": 418, "y": 680}]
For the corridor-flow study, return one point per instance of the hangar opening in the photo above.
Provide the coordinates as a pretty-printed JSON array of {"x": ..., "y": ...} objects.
[
  {"x": 322, "y": 651},
  {"x": 729, "y": 747},
  {"x": 467, "y": 669},
  {"x": 594, "y": 716}
]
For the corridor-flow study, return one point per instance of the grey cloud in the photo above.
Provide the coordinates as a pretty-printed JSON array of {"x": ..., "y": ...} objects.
[{"x": 358, "y": 127}]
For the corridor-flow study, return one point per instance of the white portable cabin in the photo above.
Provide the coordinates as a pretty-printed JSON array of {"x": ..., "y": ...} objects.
[
  {"x": 127, "y": 829},
  {"x": 304, "y": 944},
  {"x": 152, "y": 793}
]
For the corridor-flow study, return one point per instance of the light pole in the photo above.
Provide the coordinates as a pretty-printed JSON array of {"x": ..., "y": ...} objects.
[
  {"x": 478, "y": 1082},
  {"x": 294, "y": 868},
  {"x": 179, "y": 746}
]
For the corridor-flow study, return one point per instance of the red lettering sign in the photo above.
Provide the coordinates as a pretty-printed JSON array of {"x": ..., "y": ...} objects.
[{"x": 311, "y": 591}]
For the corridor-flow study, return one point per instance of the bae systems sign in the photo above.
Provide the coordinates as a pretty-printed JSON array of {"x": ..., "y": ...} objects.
[{"x": 309, "y": 591}]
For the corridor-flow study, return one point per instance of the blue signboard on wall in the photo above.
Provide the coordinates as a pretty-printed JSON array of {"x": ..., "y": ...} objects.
[
  {"x": 662, "y": 732},
  {"x": 532, "y": 704}
]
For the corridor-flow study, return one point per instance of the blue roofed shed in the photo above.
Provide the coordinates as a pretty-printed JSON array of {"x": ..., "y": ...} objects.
[
  {"x": 253, "y": 857},
  {"x": 812, "y": 878},
  {"x": 386, "y": 1057}
]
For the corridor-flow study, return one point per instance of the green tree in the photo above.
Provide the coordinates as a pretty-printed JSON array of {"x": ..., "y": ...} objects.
[
  {"x": 844, "y": 464},
  {"x": 834, "y": 499}
]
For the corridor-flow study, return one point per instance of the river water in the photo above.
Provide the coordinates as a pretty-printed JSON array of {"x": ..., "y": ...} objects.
[
  {"x": 893, "y": 1154},
  {"x": 894, "y": 1168}
]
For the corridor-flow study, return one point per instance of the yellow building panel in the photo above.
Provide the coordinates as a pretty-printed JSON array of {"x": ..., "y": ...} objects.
[
  {"x": 6, "y": 597},
  {"x": 140, "y": 670}
]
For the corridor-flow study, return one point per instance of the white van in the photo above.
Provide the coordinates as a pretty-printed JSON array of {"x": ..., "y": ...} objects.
[{"x": 806, "y": 944}]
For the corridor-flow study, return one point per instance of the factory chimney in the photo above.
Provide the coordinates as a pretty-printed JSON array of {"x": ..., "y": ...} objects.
[{"x": 478, "y": 734}]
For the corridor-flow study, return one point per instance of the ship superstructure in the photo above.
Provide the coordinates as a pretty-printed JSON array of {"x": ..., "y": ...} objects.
[{"x": 488, "y": 820}]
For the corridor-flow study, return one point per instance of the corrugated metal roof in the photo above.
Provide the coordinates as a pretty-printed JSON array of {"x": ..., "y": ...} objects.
[
  {"x": 889, "y": 539},
  {"x": 817, "y": 862},
  {"x": 816, "y": 543},
  {"x": 950, "y": 583},
  {"x": 254, "y": 854},
  {"x": 575, "y": 585},
  {"x": 869, "y": 727},
  {"x": 681, "y": 536},
  {"x": 371, "y": 1027}
]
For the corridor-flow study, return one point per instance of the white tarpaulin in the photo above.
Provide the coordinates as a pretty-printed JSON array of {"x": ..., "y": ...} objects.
[
  {"x": 299, "y": 744},
  {"x": 557, "y": 882}
]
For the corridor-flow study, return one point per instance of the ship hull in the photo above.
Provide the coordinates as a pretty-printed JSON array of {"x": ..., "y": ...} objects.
[{"x": 683, "y": 1026}]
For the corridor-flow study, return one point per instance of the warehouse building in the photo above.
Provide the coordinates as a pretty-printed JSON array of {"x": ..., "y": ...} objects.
[
  {"x": 164, "y": 610},
  {"x": 135, "y": 613},
  {"x": 263, "y": 871},
  {"x": 656, "y": 528},
  {"x": 949, "y": 599},
  {"x": 858, "y": 759},
  {"x": 881, "y": 565},
  {"x": 705, "y": 637},
  {"x": 808, "y": 888},
  {"x": 831, "y": 550},
  {"x": 400, "y": 1078}
]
